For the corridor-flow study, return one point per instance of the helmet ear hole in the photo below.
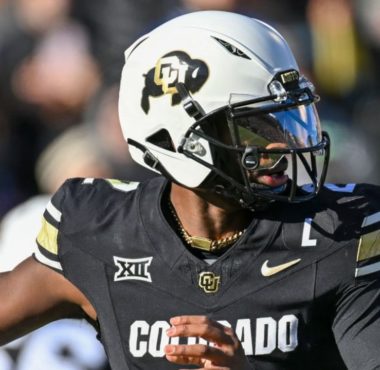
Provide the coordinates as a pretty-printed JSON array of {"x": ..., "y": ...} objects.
[{"x": 162, "y": 139}]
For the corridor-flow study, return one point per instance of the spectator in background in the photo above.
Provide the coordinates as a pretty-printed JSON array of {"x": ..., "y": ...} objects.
[
  {"x": 46, "y": 78},
  {"x": 341, "y": 67},
  {"x": 367, "y": 108},
  {"x": 113, "y": 24}
]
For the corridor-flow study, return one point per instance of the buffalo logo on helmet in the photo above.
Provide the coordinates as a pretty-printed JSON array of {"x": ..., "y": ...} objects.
[{"x": 172, "y": 68}]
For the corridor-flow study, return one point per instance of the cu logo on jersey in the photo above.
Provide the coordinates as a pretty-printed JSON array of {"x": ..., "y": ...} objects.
[
  {"x": 209, "y": 282},
  {"x": 172, "y": 68},
  {"x": 132, "y": 269}
]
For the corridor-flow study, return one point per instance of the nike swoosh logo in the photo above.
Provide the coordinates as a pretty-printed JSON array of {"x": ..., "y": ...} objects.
[{"x": 269, "y": 271}]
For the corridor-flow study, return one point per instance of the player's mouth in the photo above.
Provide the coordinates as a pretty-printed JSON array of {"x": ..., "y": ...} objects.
[
  {"x": 273, "y": 180},
  {"x": 273, "y": 177}
]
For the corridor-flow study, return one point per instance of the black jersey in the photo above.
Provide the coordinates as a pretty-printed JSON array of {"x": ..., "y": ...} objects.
[{"x": 300, "y": 287}]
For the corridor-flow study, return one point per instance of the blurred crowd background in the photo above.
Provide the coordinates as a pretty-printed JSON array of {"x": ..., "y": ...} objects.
[{"x": 60, "y": 62}]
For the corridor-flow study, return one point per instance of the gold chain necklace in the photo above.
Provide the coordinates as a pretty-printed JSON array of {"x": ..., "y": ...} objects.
[{"x": 202, "y": 243}]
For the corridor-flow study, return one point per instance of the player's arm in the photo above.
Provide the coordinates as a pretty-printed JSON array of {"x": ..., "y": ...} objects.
[
  {"x": 33, "y": 295},
  {"x": 357, "y": 320},
  {"x": 357, "y": 325},
  {"x": 226, "y": 352}
]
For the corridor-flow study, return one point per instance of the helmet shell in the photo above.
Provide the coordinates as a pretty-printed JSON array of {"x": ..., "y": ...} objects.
[{"x": 215, "y": 54}]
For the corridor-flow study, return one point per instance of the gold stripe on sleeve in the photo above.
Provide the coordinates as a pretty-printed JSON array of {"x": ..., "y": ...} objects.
[
  {"x": 47, "y": 237},
  {"x": 369, "y": 245}
]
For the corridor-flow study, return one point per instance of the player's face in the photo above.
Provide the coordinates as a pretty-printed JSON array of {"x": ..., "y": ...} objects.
[
  {"x": 274, "y": 134},
  {"x": 257, "y": 146},
  {"x": 272, "y": 166}
]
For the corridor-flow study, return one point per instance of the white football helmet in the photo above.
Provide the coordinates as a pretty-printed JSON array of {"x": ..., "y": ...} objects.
[{"x": 210, "y": 98}]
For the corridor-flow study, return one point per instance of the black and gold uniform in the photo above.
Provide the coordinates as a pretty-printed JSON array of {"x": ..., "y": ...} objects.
[{"x": 300, "y": 287}]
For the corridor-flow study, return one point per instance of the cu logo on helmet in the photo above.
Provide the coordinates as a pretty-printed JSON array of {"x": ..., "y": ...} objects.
[
  {"x": 168, "y": 72},
  {"x": 170, "y": 69}
]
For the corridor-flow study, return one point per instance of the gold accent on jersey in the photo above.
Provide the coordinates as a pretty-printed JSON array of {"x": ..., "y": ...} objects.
[
  {"x": 209, "y": 282},
  {"x": 116, "y": 181},
  {"x": 369, "y": 246},
  {"x": 47, "y": 237},
  {"x": 125, "y": 186}
]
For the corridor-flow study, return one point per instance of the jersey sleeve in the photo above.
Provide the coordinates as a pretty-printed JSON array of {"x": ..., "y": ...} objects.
[
  {"x": 46, "y": 250},
  {"x": 357, "y": 325},
  {"x": 77, "y": 209},
  {"x": 357, "y": 321}
]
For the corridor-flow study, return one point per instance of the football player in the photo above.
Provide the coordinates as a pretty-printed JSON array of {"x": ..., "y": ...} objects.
[{"x": 228, "y": 260}]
